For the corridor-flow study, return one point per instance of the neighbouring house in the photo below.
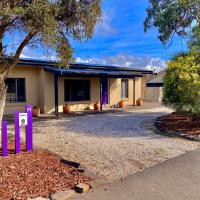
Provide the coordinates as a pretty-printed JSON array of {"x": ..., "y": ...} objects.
[
  {"x": 154, "y": 87},
  {"x": 42, "y": 84}
]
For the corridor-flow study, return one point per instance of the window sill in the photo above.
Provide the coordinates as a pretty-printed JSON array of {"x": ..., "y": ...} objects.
[{"x": 15, "y": 104}]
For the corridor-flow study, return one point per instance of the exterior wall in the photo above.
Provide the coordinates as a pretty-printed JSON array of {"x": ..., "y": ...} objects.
[
  {"x": 80, "y": 105},
  {"x": 131, "y": 91},
  {"x": 114, "y": 91},
  {"x": 40, "y": 91},
  {"x": 143, "y": 85},
  {"x": 154, "y": 94},
  {"x": 138, "y": 89},
  {"x": 41, "y": 88},
  {"x": 49, "y": 97},
  {"x": 32, "y": 88},
  {"x": 135, "y": 90}
]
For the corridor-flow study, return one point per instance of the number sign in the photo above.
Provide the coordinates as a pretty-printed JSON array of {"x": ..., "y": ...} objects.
[{"x": 23, "y": 119}]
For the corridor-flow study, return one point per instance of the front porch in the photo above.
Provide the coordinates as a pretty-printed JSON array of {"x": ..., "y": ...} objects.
[{"x": 81, "y": 88}]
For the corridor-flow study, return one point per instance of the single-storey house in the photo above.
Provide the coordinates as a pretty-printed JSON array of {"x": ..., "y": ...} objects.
[
  {"x": 154, "y": 87},
  {"x": 43, "y": 84}
]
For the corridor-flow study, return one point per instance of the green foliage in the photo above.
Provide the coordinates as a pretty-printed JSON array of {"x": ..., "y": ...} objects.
[
  {"x": 172, "y": 17},
  {"x": 194, "y": 42},
  {"x": 182, "y": 83},
  {"x": 51, "y": 23},
  {"x": 182, "y": 80}
]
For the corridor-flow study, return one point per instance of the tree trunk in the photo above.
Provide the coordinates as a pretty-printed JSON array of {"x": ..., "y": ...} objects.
[{"x": 2, "y": 97}]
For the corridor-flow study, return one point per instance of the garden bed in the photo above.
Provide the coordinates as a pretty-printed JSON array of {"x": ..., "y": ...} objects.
[
  {"x": 34, "y": 174},
  {"x": 184, "y": 124}
]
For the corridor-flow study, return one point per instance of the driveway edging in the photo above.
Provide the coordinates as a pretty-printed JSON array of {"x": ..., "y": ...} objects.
[{"x": 174, "y": 133}]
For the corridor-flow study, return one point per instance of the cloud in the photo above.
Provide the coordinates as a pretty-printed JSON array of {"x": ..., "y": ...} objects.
[
  {"x": 34, "y": 53},
  {"x": 127, "y": 60},
  {"x": 105, "y": 27},
  {"x": 124, "y": 60}
]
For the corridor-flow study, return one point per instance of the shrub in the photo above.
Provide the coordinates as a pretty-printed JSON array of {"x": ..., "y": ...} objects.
[{"x": 182, "y": 83}]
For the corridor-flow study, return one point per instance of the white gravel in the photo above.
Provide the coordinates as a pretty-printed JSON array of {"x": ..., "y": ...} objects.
[{"x": 111, "y": 145}]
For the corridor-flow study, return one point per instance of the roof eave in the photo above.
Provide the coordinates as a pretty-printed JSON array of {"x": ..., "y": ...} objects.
[
  {"x": 74, "y": 73},
  {"x": 35, "y": 63}
]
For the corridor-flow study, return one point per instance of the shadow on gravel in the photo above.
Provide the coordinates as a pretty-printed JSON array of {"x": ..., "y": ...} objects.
[{"x": 120, "y": 124}]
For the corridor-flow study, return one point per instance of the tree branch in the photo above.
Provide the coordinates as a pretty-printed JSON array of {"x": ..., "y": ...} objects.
[
  {"x": 3, "y": 28},
  {"x": 1, "y": 43},
  {"x": 18, "y": 52}
]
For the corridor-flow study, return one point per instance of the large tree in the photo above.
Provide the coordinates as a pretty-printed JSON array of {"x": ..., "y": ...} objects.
[
  {"x": 50, "y": 23},
  {"x": 182, "y": 80},
  {"x": 172, "y": 17}
]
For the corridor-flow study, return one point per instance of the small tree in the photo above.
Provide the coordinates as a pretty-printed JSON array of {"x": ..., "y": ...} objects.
[
  {"x": 182, "y": 83},
  {"x": 50, "y": 23}
]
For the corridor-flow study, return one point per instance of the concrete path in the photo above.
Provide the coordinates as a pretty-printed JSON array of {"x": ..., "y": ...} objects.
[{"x": 175, "y": 179}]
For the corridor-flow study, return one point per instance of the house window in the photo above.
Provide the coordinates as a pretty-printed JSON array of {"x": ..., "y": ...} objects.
[
  {"x": 124, "y": 89},
  {"x": 77, "y": 90},
  {"x": 15, "y": 90}
]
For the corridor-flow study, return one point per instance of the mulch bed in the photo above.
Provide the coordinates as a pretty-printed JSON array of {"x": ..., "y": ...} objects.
[
  {"x": 34, "y": 174},
  {"x": 181, "y": 123}
]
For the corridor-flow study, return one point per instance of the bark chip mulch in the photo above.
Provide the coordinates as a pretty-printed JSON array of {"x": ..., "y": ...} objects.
[
  {"x": 181, "y": 123},
  {"x": 34, "y": 174}
]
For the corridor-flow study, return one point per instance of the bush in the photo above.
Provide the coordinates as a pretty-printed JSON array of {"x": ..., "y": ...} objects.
[{"x": 182, "y": 83}]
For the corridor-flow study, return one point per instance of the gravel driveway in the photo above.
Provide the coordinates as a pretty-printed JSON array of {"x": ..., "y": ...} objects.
[{"x": 111, "y": 145}]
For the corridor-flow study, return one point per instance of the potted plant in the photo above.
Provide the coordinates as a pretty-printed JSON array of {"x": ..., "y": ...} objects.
[
  {"x": 96, "y": 106},
  {"x": 122, "y": 104},
  {"x": 36, "y": 111},
  {"x": 66, "y": 108},
  {"x": 139, "y": 102}
]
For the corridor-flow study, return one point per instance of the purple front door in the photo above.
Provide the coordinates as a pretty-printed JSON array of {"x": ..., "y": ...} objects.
[{"x": 104, "y": 91}]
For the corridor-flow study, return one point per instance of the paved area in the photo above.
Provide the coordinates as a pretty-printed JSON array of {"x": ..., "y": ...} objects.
[
  {"x": 175, "y": 179},
  {"x": 111, "y": 145}
]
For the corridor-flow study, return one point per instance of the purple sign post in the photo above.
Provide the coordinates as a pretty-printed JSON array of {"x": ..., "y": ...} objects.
[
  {"x": 29, "y": 131},
  {"x": 4, "y": 139},
  {"x": 17, "y": 133}
]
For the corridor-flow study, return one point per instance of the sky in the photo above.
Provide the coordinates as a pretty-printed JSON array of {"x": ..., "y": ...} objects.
[{"x": 119, "y": 39}]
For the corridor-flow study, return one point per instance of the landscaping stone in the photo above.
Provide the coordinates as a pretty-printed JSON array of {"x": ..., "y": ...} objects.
[
  {"x": 109, "y": 145},
  {"x": 81, "y": 187},
  {"x": 63, "y": 195}
]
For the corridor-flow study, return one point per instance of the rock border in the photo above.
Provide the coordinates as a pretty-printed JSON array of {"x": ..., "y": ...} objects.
[
  {"x": 174, "y": 133},
  {"x": 67, "y": 194}
]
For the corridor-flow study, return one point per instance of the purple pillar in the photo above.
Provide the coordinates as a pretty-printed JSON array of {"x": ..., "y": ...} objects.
[
  {"x": 29, "y": 131},
  {"x": 4, "y": 139},
  {"x": 17, "y": 133}
]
